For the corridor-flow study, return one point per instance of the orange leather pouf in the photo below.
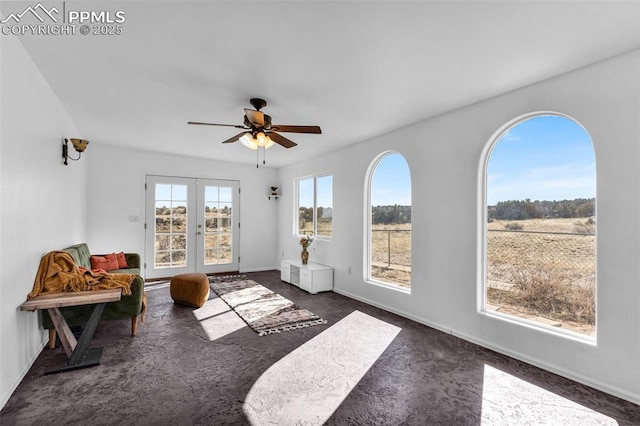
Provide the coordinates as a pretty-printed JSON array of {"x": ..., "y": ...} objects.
[{"x": 190, "y": 289}]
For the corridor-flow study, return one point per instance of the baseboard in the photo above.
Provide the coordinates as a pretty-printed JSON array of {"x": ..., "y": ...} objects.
[
  {"x": 588, "y": 381},
  {"x": 14, "y": 384},
  {"x": 387, "y": 308},
  {"x": 579, "y": 378}
]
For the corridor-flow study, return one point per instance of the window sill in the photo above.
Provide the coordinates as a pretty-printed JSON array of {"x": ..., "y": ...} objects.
[
  {"x": 390, "y": 286},
  {"x": 534, "y": 325},
  {"x": 317, "y": 238}
]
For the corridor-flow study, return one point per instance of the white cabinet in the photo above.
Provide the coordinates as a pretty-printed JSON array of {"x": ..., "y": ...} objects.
[
  {"x": 285, "y": 272},
  {"x": 311, "y": 277}
]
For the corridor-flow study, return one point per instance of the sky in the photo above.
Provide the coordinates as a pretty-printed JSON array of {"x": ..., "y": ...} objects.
[
  {"x": 324, "y": 191},
  {"x": 543, "y": 158},
  {"x": 176, "y": 194},
  {"x": 391, "y": 183}
]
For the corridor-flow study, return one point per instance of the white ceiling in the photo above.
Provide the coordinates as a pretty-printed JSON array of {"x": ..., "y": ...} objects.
[{"x": 358, "y": 69}]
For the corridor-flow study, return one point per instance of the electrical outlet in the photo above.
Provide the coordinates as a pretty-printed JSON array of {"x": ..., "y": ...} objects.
[{"x": 349, "y": 270}]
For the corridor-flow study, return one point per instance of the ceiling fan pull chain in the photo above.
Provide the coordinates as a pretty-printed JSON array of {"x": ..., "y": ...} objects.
[
  {"x": 264, "y": 155},
  {"x": 257, "y": 157}
]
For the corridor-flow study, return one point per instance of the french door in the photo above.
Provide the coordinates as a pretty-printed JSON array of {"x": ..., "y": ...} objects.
[{"x": 191, "y": 226}]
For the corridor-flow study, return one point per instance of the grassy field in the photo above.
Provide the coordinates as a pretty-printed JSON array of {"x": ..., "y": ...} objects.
[
  {"x": 391, "y": 254},
  {"x": 544, "y": 270},
  {"x": 570, "y": 225},
  {"x": 538, "y": 269}
]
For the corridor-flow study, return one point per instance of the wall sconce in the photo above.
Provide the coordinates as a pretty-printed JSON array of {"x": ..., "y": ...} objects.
[{"x": 78, "y": 144}]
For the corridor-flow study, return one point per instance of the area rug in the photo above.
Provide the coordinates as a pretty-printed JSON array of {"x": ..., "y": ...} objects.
[{"x": 263, "y": 310}]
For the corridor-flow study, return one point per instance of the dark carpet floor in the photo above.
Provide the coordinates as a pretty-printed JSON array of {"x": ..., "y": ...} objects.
[{"x": 171, "y": 373}]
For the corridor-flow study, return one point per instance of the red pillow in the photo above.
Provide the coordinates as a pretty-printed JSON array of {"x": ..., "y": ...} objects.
[
  {"x": 108, "y": 262},
  {"x": 122, "y": 262}
]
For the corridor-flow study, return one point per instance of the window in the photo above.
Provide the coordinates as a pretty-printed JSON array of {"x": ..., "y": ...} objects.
[
  {"x": 315, "y": 206},
  {"x": 540, "y": 230},
  {"x": 389, "y": 223}
]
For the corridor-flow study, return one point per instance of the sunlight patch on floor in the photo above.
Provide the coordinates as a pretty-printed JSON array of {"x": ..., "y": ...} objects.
[
  {"x": 217, "y": 319},
  {"x": 156, "y": 285},
  {"x": 310, "y": 383},
  {"x": 508, "y": 400}
]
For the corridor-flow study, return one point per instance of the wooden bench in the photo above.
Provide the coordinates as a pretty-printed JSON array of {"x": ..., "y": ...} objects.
[{"x": 78, "y": 352}]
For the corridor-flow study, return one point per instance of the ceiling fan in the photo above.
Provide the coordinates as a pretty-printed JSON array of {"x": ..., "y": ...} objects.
[{"x": 259, "y": 131}]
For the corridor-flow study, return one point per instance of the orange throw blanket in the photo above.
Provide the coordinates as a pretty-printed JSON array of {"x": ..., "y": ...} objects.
[{"x": 59, "y": 273}]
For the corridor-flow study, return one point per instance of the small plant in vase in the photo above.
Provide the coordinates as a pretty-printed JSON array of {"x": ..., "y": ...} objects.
[
  {"x": 306, "y": 242},
  {"x": 274, "y": 190}
]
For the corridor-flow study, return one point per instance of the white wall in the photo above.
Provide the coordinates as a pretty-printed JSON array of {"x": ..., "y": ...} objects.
[
  {"x": 43, "y": 201},
  {"x": 445, "y": 155},
  {"x": 116, "y": 177}
]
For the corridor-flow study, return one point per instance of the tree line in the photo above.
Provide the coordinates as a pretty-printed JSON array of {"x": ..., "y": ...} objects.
[
  {"x": 527, "y": 209},
  {"x": 381, "y": 215},
  {"x": 305, "y": 214},
  {"x": 390, "y": 215}
]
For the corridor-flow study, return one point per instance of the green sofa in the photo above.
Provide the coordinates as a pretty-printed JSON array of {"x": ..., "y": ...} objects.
[{"x": 129, "y": 306}]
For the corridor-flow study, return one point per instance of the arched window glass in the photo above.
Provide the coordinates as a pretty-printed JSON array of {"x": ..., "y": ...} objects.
[
  {"x": 389, "y": 225},
  {"x": 541, "y": 224}
]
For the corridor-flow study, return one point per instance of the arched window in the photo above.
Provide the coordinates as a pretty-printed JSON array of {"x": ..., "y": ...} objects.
[
  {"x": 540, "y": 230},
  {"x": 389, "y": 222}
]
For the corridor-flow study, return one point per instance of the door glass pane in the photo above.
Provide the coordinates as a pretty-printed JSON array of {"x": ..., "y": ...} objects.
[
  {"x": 218, "y": 224},
  {"x": 210, "y": 256},
  {"x": 162, "y": 259},
  {"x": 224, "y": 248},
  {"x": 179, "y": 193},
  {"x": 225, "y": 255},
  {"x": 162, "y": 242},
  {"x": 224, "y": 221},
  {"x": 211, "y": 193},
  {"x": 170, "y": 238},
  {"x": 163, "y": 192},
  {"x": 226, "y": 194},
  {"x": 210, "y": 216},
  {"x": 178, "y": 258}
]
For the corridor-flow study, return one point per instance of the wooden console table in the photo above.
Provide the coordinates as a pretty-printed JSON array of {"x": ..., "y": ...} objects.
[{"x": 78, "y": 351}]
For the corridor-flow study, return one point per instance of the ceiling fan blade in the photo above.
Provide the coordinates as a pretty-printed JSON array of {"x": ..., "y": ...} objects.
[
  {"x": 279, "y": 139},
  {"x": 199, "y": 123},
  {"x": 297, "y": 129},
  {"x": 255, "y": 117},
  {"x": 235, "y": 138}
]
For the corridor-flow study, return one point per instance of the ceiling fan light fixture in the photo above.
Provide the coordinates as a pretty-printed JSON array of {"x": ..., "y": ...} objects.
[
  {"x": 248, "y": 141},
  {"x": 269, "y": 144},
  {"x": 261, "y": 138},
  {"x": 264, "y": 140},
  {"x": 259, "y": 141}
]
